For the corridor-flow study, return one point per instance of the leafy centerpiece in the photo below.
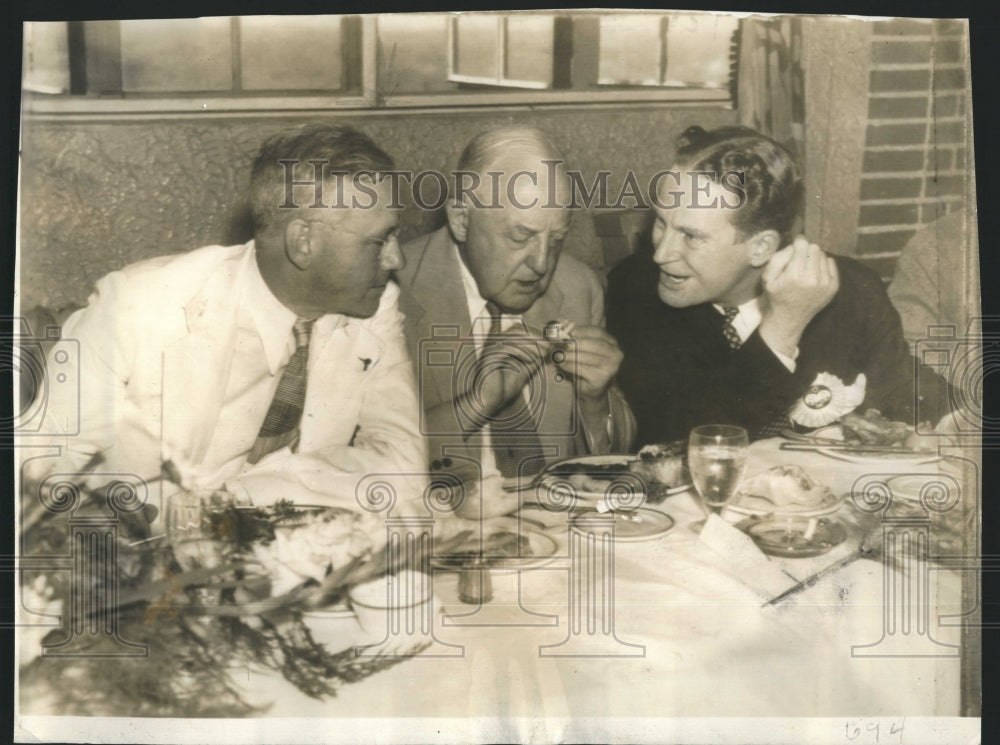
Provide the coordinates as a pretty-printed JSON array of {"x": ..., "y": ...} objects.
[{"x": 229, "y": 595}]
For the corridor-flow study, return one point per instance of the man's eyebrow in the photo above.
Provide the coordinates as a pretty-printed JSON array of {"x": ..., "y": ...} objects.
[
  {"x": 523, "y": 228},
  {"x": 383, "y": 234},
  {"x": 533, "y": 231},
  {"x": 691, "y": 231}
]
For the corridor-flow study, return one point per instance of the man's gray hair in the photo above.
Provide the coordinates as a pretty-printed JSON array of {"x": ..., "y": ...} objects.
[{"x": 340, "y": 149}]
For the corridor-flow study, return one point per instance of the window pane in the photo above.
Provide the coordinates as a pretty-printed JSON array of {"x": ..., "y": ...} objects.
[
  {"x": 46, "y": 57},
  {"x": 476, "y": 46},
  {"x": 291, "y": 53},
  {"x": 414, "y": 53},
  {"x": 190, "y": 54},
  {"x": 698, "y": 49},
  {"x": 529, "y": 48},
  {"x": 630, "y": 50}
]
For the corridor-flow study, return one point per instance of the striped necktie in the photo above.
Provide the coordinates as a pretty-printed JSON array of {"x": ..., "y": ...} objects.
[
  {"x": 512, "y": 428},
  {"x": 281, "y": 424}
]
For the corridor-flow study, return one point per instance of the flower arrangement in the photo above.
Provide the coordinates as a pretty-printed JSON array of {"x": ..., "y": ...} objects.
[{"x": 236, "y": 601}]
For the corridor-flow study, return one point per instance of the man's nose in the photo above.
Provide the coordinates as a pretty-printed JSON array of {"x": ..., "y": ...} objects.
[
  {"x": 668, "y": 249},
  {"x": 538, "y": 256},
  {"x": 392, "y": 258}
]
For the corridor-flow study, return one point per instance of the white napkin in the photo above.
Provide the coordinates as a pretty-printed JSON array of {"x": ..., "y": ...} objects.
[{"x": 743, "y": 558}]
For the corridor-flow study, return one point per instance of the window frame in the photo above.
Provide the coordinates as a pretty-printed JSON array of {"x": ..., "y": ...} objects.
[
  {"x": 501, "y": 80},
  {"x": 361, "y": 96}
]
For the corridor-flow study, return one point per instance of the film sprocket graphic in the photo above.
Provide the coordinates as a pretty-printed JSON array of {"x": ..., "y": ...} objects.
[
  {"x": 451, "y": 365},
  {"x": 41, "y": 379},
  {"x": 963, "y": 362}
]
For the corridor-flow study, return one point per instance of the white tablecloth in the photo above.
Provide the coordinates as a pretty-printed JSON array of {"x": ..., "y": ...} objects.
[{"x": 707, "y": 647}]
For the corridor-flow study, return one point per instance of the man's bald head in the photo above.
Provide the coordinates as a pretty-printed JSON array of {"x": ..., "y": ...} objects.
[
  {"x": 510, "y": 227},
  {"x": 498, "y": 156},
  {"x": 485, "y": 150}
]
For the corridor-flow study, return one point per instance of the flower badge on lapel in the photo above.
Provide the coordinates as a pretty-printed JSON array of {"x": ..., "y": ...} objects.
[{"x": 827, "y": 399}]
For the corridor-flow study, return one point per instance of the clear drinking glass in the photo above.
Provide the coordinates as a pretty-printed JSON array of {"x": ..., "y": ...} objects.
[
  {"x": 188, "y": 530},
  {"x": 717, "y": 458}
]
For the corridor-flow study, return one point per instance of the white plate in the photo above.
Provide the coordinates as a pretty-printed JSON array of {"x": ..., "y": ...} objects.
[
  {"x": 542, "y": 550},
  {"x": 736, "y": 507},
  {"x": 551, "y": 476},
  {"x": 786, "y": 536},
  {"x": 834, "y": 433},
  {"x": 649, "y": 525},
  {"x": 340, "y": 610}
]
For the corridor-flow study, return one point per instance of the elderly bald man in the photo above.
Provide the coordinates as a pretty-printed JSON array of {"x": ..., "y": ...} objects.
[{"x": 501, "y": 384}]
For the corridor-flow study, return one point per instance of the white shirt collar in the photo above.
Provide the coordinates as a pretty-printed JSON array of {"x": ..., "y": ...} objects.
[
  {"x": 274, "y": 321},
  {"x": 747, "y": 320},
  {"x": 478, "y": 314}
]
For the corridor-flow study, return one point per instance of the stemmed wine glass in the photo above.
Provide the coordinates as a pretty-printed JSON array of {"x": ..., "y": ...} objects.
[{"x": 717, "y": 458}]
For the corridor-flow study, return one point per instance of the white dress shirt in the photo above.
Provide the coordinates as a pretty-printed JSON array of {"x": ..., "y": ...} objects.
[{"x": 746, "y": 322}]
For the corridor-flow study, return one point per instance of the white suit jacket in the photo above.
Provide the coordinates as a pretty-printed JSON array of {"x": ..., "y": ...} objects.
[{"x": 155, "y": 346}]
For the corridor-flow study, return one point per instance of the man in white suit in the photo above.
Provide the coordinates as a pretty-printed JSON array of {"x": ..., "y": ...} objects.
[{"x": 181, "y": 357}]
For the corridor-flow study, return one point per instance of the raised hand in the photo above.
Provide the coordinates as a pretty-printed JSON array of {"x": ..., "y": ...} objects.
[
  {"x": 597, "y": 358},
  {"x": 799, "y": 281}
]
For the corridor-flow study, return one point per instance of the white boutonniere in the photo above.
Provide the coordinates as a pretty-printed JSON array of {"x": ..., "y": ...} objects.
[{"x": 826, "y": 400}]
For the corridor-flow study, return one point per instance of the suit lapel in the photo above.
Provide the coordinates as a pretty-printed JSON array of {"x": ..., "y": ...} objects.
[
  {"x": 444, "y": 318},
  {"x": 196, "y": 366}
]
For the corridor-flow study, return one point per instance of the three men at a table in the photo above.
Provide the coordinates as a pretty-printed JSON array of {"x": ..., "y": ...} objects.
[{"x": 283, "y": 368}]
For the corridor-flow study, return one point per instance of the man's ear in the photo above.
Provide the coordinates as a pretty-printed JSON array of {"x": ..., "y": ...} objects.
[
  {"x": 763, "y": 246},
  {"x": 298, "y": 248},
  {"x": 458, "y": 220}
]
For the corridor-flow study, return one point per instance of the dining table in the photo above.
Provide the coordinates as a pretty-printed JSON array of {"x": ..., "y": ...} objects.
[{"x": 607, "y": 639}]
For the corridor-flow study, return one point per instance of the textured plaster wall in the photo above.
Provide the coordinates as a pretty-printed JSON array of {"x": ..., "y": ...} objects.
[{"x": 96, "y": 196}]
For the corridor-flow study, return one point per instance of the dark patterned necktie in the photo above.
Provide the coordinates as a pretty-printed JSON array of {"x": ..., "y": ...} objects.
[
  {"x": 281, "y": 424},
  {"x": 512, "y": 428},
  {"x": 728, "y": 330}
]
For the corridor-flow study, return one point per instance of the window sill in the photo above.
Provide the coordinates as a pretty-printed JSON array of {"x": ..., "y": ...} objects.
[{"x": 208, "y": 105}]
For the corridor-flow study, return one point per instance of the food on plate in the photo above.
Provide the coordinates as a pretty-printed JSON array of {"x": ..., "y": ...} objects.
[
  {"x": 605, "y": 471},
  {"x": 495, "y": 548},
  {"x": 662, "y": 463},
  {"x": 784, "y": 489},
  {"x": 590, "y": 478},
  {"x": 309, "y": 542},
  {"x": 872, "y": 428},
  {"x": 505, "y": 543}
]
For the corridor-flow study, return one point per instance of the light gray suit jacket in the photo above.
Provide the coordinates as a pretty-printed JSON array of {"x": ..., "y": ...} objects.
[{"x": 438, "y": 334}]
